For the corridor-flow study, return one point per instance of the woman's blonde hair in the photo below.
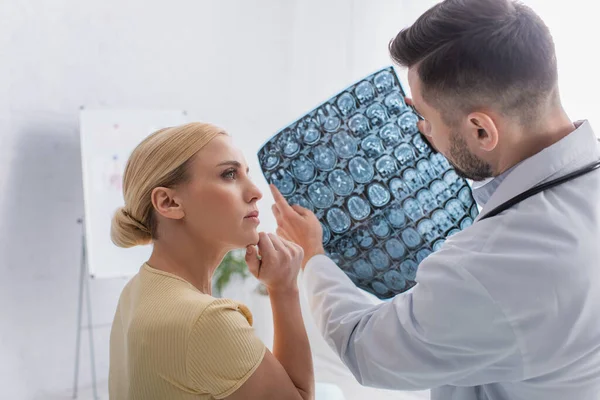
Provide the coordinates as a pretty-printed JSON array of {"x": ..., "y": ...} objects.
[{"x": 160, "y": 160}]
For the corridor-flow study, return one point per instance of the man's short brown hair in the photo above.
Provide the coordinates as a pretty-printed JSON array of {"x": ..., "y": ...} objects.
[{"x": 481, "y": 53}]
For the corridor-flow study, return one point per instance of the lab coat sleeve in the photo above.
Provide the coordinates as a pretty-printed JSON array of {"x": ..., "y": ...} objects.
[{"x": 445, "y": 331}]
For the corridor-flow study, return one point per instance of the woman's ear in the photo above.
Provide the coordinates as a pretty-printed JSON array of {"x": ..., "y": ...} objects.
[{"x": 166, "y": 203}]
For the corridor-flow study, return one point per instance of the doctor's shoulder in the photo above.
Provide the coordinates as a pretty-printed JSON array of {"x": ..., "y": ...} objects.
[{"x": 520, "y": 250}]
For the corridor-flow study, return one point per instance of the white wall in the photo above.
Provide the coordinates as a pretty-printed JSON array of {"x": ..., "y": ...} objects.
[{"x": 251, "y": 66}]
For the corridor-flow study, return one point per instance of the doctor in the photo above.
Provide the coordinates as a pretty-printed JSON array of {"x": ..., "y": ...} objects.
[{"x": 508, "y": 309}]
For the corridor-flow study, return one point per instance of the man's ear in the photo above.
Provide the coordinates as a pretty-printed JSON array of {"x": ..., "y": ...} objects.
[
  {"x": 167, "y": 203},
  {"x": 483, "y": 131}
]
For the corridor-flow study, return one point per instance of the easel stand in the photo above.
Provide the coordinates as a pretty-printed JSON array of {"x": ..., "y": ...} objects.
[{"x": 84, "y": 282}]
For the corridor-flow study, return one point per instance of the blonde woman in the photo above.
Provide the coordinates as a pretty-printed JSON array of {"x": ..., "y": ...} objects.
[{"x": 188, "y": 192}]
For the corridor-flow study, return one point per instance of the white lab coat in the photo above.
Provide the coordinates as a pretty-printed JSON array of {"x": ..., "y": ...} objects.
[{"x": 507, "y": 309}]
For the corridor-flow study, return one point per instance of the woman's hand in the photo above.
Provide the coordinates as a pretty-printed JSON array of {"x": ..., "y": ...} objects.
[{"x": 279, "y": 263}]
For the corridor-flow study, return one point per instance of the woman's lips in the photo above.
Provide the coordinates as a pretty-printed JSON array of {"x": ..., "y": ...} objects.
[{"x": 253, "y": 216}]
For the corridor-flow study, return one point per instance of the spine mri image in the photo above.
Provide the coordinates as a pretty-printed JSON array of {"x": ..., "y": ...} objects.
[{"x": 385, "y": 198}]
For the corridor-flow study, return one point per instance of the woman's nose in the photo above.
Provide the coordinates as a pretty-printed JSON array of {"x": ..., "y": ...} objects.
[{"x": 254, "y": 193}]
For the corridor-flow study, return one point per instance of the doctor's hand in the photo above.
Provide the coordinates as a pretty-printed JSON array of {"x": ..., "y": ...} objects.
[{"x": 299, "y": 225}]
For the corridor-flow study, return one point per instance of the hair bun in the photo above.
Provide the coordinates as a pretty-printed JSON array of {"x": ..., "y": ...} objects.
[{"x": 126, "y": 231}]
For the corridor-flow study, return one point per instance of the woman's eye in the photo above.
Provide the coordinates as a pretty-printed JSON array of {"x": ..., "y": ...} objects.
[{"x": 229, "y": 174}]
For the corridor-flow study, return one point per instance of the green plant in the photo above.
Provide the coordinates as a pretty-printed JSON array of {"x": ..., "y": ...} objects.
[{"x": 233, "y": 264}]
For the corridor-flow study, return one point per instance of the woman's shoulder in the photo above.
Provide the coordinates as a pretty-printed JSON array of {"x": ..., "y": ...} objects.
[
  {"x": 173, "y": 296},
  {"x": 226, "y": 310}
]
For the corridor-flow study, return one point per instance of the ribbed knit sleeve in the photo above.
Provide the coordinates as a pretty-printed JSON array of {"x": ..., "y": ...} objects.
[{"x": 223, "y": 351}]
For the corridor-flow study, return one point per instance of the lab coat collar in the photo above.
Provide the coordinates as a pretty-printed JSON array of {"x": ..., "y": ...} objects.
[
  {"x": 573, "y": 152},
  {"x": 483, "y": 190}
]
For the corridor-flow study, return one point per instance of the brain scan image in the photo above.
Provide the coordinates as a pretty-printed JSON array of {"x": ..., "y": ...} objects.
[
  {"x": 379, "y": 260},
  {"x": 442, "y": 219},
  {"x": 304, "y": 170},
  {"x": 439, "y": 162},
  {"x": 428, "y": 230},
  {"x": 308, "y": 131},
  {"x": 363, "y": 238},
  {"x": 344, "y": 145},
  {"x": 380, "y": 227},
  {"x": 384, "y": 81},
  {"x": 408, "y": 123},
  {"x": 440, "y": 190},
  {"x": 405, "y": 154},
  {"x": 378, "y": 195},
  {"x": 365, "y": 92},
  {"x": 358, "y": 207},
  {"x": 399, "y": 188},
  {"x": 289, "y": 145},
  {"x": 376, "y": 114},
  {"x": 395, "y": 249},
  {"x": 385, "y": 199},
  {"x": 395, "y": 103},
  {"x": 346, "y": 104},
  {"x": 284, "y": 181},
  {"x": 359, "y": 125},
  {"x": 411, "y": 238},
  {"x": 465, "y": 197},
  {"x": 341, "y": 182},
  {"x": 409, "y": 269},
  {"x": 320, "y": 195},
  {"x": 427, "y": 172},
  {"x": 395, "y": 215},
  {"x": 361, "y": 170},
  {"x": 427, "y": 201},
  {"x": 412, "y": 179},
  {"x": 386, "y": 166},
  {"x": 394, "y": 279},
  {"x": 329, "y": 118},
  {"x": 338, "y": 220},
  {"x": 324, "y": 157},
  {"x": 348, "y": 249},
  {"x": 453, "y": 181},
  {"x": 455, "y": 209},
  {"x": 412, "y": 209},
  {"x": 390, "y": 135},
  {"x": 420, "y": 144},
  {"x": 372, "y": 146},
  {"x": 363, "y": 269},
  {"x": 270, "y": 158}
]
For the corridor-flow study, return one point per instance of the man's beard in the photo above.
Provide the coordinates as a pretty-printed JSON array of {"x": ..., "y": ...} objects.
[{"x": 466, "y": 164}]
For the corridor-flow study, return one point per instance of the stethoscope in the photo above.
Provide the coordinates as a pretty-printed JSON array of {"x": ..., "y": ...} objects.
[{"x": 540, "y": 188}]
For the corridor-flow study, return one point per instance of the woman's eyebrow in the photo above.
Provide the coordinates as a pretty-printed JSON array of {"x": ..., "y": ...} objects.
[{"x": 232, "y": 163}]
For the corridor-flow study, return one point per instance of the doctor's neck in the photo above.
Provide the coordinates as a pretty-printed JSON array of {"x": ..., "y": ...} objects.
[{"x": 551, "y": 125}]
